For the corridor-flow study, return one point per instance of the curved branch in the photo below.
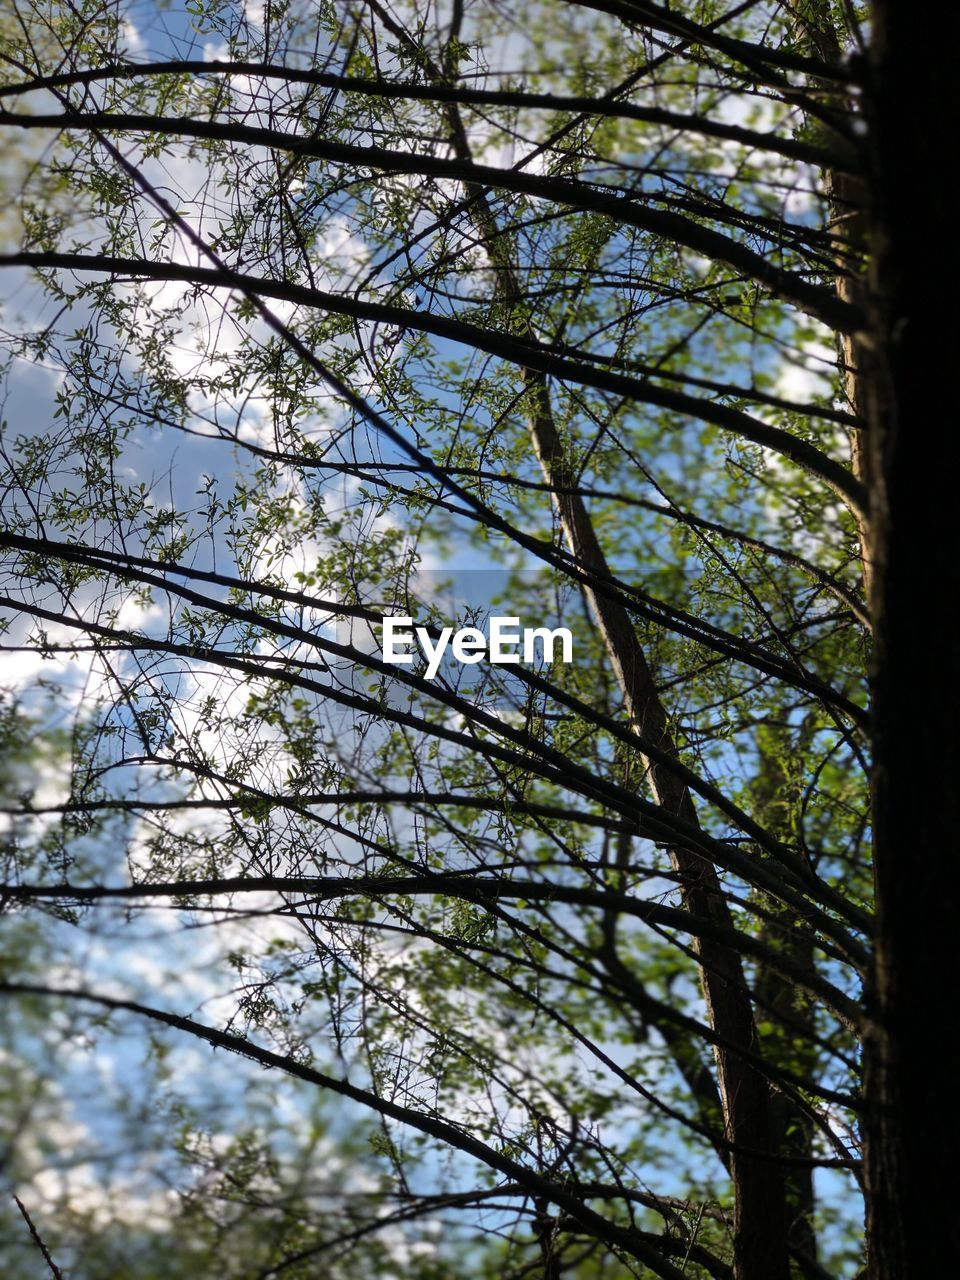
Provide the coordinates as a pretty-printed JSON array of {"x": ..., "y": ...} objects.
[
  {"x": 814, "y": 299},
  {"x": 525, "y": 352},
  {"x": 632, "y": 1242}
]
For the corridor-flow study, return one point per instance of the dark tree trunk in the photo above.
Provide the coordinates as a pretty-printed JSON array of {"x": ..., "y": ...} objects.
[{"x": 912, "y": 1122}]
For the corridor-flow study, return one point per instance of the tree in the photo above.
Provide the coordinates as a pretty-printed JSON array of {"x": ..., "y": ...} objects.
[{"x": 608, "y": 311}]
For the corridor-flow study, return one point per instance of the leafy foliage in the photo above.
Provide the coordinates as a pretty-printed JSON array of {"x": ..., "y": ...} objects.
[{"x": 321, "y": 313}]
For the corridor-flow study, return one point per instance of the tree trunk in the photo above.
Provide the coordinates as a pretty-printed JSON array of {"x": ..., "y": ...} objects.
[
  {"x": 760, "y": 1227},
  {"x": 912, "y": 1129}
]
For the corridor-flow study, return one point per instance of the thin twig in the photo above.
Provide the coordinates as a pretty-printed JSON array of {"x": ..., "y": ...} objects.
[{"x": 54, "y": 1269}]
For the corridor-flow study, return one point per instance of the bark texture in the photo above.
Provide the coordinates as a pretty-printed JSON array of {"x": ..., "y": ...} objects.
[{"x": 911, "y": 1125}]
